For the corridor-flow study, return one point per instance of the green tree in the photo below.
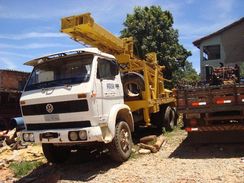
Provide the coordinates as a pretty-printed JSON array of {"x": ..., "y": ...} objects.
[
  {"x": 187, "y": 74},
  {"x": 152, "y": 30},
  {"x": 242, "y": 69}
]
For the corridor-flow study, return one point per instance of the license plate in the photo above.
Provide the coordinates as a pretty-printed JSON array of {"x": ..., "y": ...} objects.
[
  {"x": 52, "y": 117},
  {"x": 49, "y": 135}
]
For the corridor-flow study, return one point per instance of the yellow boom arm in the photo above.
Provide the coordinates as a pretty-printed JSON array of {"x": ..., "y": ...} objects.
[{"x": 82, "y": 28}]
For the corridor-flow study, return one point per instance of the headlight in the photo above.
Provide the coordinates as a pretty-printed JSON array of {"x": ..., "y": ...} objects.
[
  {"x": 31, "y": 137},
  {"x": 83, "y": 134},
  {"x": 73, "y": 136},
  {"x": 26, "y": 137}
]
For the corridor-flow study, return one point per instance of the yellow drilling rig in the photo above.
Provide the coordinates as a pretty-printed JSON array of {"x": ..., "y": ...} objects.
[{"x": 82, "y": 28}]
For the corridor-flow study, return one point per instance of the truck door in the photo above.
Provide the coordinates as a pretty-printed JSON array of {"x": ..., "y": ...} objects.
[{"x": 109, "y": 86}]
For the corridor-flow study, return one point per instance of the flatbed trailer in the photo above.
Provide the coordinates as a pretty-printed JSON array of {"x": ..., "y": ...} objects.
[{"x": 212, "y": 108}]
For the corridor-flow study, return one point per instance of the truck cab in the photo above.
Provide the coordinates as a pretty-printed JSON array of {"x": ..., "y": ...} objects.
[{"x": 73, "y": 98}]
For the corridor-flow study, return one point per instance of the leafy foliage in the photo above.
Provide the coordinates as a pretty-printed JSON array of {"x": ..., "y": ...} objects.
[
  {"x": 242, "y": 69},
  {"x": 186, "y": 74},
  {"x": 152, "y": 30}
]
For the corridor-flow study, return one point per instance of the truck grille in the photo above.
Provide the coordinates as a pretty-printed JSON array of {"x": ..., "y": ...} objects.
[
  {"x": 65, "y": 125},
  {"x": 58, "y": 107}
]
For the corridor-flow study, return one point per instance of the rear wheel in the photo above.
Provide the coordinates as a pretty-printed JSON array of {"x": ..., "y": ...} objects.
[
  {"x": 121, "y": 146},
  {"x": 176, "y": 116},
  {"x": 55, "y": 154},
  {"x": 169, "y": 118}
]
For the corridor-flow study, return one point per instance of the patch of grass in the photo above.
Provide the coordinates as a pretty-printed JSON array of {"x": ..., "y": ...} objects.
[
  {"x": 21, "y": 169},
  {"x": 169, "y": 134},
  {"x": 135, "y": 154},
  {"x": 175, "y": 131}
]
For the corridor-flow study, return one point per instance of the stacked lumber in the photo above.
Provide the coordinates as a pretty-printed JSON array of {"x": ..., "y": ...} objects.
[{"x": 152, "y": 143}]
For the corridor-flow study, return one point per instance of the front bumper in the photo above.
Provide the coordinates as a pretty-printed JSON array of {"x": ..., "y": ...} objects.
[{"x": 94, "y": 134}]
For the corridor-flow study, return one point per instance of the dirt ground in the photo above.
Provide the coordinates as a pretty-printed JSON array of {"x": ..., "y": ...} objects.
[{"x": 178, "y": 161}]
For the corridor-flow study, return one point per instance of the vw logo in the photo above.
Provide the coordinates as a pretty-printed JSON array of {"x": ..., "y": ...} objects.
[{"x": 49, "y": 108}]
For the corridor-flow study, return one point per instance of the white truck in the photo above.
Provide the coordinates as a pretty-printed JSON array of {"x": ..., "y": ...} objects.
[{"x": 75, "y": 98}]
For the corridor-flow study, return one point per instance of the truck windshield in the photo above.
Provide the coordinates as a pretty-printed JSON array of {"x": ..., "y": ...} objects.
[{"x": 62, "y": 71}]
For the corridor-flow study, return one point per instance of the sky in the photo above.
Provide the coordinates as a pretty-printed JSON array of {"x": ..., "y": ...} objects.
[{"x": 30, "y": 29}]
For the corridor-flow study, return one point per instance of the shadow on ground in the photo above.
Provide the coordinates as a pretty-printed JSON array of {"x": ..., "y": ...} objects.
[
  {"x": 211, "y": 145},
  {"x": 195, "y": 146},
  {"x": 145, "y": 131},
  {"x": 75, "y": 169},
  {"x": 79, "y": 168}
]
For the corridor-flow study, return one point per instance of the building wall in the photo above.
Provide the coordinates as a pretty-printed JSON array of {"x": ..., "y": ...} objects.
[
  {"x": 215, "y": 63},
  {"x": 233, "y": 42},
  {"x": 9, "y": 96},
  {"x": 12, "y": 80}
]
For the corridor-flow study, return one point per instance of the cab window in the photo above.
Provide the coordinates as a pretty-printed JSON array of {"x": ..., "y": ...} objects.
[{"x": 107, "y": 69}]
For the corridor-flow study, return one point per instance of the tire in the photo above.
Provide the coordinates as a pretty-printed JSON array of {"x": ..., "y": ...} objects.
[
  {"x": 176, "y": 116},
  {"x": 169, "y": 118},
  {"x": 121, "y": 146},
  {"x": 55, "y": 154},
  {"x": 133, "y": 85}
]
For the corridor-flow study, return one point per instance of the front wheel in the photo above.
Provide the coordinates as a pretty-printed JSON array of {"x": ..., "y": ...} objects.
[
  {"x": 121, "y": 146},
  {"x": 55, "y": 154}
]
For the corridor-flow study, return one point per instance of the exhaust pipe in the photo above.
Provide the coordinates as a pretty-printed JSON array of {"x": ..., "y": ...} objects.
[{"x": 18, "y": 123}]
